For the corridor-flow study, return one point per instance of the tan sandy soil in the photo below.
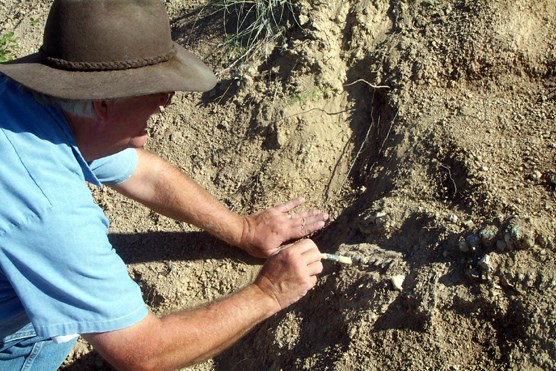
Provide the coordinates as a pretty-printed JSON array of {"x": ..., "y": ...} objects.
[{"x": 426, "y": 128}]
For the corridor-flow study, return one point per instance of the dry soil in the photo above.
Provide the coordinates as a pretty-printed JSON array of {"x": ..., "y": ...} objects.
[{"x": 426, "y": 128}]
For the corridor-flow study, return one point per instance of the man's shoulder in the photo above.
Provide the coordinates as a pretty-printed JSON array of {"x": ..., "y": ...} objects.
[{"x": 39, "y": 167}]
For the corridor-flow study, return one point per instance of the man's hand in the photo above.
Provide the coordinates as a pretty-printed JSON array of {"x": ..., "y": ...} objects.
[
  {"x": 265, "y": 232},
  {"x": 289, "y": 275}
]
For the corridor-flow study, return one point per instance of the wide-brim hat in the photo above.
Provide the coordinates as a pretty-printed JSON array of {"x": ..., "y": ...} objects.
[{"x": 106, "y": 49}]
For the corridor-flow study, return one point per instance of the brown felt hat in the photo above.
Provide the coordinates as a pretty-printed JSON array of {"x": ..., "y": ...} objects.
[{"x": 106, "y": 49}]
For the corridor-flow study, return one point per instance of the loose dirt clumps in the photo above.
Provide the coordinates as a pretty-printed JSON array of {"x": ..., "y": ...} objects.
[{"x": 426, "y": 128}]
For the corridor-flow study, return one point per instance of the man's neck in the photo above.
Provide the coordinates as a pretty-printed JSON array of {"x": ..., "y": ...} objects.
[{"x": 83, "y": 130}]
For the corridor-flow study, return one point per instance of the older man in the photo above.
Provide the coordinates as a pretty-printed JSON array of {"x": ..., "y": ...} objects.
[{"x": 76, "y": 112}]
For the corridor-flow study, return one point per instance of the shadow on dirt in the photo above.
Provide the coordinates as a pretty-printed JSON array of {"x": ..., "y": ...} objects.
[{"x": 193, "y": 246}]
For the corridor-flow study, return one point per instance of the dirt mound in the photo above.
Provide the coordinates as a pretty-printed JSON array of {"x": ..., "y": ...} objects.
[{"x": 427, "y": 129}]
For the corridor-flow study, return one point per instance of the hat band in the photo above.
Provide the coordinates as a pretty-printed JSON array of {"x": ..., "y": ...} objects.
[{"x": 106, "y": 66}]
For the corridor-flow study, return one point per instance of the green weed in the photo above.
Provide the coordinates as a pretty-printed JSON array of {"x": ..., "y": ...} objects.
[
  {"x": 8, "y": 43},
  {"x": 309, "y": 95}
]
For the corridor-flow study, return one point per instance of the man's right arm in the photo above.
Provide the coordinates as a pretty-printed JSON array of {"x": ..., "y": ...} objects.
[{"x": 189, "y": 337}]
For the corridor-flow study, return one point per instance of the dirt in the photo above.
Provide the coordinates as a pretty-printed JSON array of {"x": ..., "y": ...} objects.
[{"x": 427, "y": 129}]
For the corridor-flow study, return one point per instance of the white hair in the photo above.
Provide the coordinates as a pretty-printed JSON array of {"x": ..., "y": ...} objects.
[{"x": 80, "y": 108}]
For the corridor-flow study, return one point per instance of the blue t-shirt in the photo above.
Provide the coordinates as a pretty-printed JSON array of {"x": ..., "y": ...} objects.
[{"x": 57, "y": 267}]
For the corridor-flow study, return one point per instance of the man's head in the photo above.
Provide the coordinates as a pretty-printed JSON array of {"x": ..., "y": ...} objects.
[
  {"x": 105, "y": 49},
  {"x": 109, "y": 65}
]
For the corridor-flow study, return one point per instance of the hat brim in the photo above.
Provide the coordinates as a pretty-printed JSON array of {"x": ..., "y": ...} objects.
[{"x": 184, "y": 72}]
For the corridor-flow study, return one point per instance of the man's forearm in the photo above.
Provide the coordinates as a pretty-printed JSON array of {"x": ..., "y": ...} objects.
[
  {"x": 168, "y": 191},
  {"x": 235, "y": 316},
  {"x": 188, "y": 337}
]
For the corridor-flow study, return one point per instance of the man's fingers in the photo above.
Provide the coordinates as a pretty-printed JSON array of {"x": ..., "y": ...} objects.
[
  {"x": 290, "y": 205},
  {"x": 312, "y": 256},
  {"x": 315, "y": 268},
  {"x": 308, "y": 222},
  {"x": 312, "y": 216}
]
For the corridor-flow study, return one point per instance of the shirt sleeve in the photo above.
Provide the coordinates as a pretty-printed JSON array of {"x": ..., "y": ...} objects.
[
  {"x": 68, "y": 277},
  {"x": 115, "y": 169}
]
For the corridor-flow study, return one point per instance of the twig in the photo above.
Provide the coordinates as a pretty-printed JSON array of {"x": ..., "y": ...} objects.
[
  {"x": 368, "y": 83},
  {"x": 329, "y": 185},
  {"x": 357, "y": 155},
  {"x": 320, "y": 109},
  {"x": 388, "y": 133},
  {"x": 450, "y": 175}
]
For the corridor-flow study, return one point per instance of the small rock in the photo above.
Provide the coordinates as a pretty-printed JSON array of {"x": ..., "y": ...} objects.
[
  {"x": 488, "y": 235},
  {"x": 472, "y": 273},
  {"x": 541, "y": 280},
  {"x": 529, "y": 279},
  {"x": 552, "y": 282},
  {"x": 469, "y": 224},
  {"x": 374, "y": 222},
  {"x": 516, "y": 233},
  {"x": 550, "y": 178},
  {"x": 462, "y": 245},
  {"x": 397, "y": 282},
  {"x": 484, "y": 263},
  {"x": 520, "y": 238},
  {"x": 500, "y": 245},
  {"x": 453, "y": 218},
  {"x": 506, "y": 281},
  {"x": 473, "y": 241}
]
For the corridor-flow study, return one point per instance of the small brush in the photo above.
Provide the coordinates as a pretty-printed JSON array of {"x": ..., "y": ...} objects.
[{"x": 337, "y": 258}]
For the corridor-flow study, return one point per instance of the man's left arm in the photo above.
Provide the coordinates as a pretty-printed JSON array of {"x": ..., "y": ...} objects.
[{"x": 167, "y": 190}]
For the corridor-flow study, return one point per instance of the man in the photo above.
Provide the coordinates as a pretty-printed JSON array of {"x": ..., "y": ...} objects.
[{"x": 76, "y": 112}]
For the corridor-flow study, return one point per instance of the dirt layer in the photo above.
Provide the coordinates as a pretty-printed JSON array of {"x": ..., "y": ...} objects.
[{"x": 426, "y": 128}]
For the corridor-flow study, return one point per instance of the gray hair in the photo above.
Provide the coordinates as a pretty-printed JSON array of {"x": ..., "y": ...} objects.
[{"x": 79, "y": 108}]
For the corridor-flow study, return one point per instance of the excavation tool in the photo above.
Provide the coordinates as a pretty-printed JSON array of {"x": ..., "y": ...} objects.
[{"x": 337, "y": 258}]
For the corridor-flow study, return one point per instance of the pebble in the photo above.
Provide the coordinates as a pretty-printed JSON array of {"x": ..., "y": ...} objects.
[
  {"x": 508, "y": 240},
  {"x": 472, "y": 273},
  {"x": 462, "y": 245},
  {"x": 397, "y": 281},
  {"x": 520, "y": 238},
  {"x": 378, "y": 220},
  {"x": 469, "y": 224},
  {"x": 484, "y": 263},
  {"x": 500, "y": 245},
  {"x": 529, "y": 279},
  {"x": 488, "y": 235},
  {"x": 550, "y": 179},
  {"x": 473, "y": 241}
]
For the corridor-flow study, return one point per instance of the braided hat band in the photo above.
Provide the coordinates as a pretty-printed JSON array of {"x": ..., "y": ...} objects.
[{"x": 106, "y": 65}]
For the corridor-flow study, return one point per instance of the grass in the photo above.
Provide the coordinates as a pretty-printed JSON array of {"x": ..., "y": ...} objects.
[
  {"x": 309, "y": 95},
  {"x": 251, "y": 25},
  {"x": 8, "y": 44}
]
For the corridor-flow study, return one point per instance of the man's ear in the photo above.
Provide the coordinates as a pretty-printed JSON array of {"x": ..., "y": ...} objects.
[{"x": 101, "y": 109}]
